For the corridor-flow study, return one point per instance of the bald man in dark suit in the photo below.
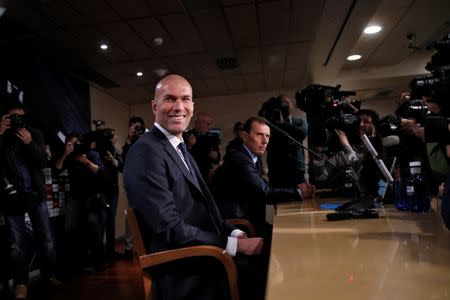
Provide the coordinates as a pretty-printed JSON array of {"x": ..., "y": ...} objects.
[{"x": 173, "y": 203}]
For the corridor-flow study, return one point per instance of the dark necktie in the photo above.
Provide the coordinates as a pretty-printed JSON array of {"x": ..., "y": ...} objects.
[
  {"x": 187, "y": 159},
  {"x": 259, "y": 166}
]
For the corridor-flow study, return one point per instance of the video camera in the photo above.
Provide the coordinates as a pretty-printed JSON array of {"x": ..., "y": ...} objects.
[
  {"x": 275, "y": 109},
  {"x": 328, "y": 108}
]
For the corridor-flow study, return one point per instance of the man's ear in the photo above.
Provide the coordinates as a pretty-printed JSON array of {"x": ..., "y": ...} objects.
[
  {"x": 154, "y": 108},
  {"x": 244, "y": 136}
]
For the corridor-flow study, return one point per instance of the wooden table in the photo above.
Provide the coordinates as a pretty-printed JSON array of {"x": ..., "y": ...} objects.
[{"x": 401, "y": 255}]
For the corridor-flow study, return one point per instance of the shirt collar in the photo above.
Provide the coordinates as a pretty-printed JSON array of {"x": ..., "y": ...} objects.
[
  {"x": 174, "y": 140},
  {"x": 253, "y": 155}
]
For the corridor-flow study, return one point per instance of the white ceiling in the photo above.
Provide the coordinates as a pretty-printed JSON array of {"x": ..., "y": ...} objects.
[{"x": 278, "y": 44}]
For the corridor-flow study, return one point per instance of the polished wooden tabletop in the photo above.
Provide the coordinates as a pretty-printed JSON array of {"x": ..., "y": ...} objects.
[{"x": 401, "y": 255}]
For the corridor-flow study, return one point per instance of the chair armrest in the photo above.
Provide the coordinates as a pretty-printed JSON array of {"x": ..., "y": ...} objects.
[
  {"x": 162, "y": 257},
  {"x": 243, "y": 222}
]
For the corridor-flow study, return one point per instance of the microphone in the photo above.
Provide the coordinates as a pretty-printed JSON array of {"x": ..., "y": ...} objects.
[{"x": 369, "y": 146}]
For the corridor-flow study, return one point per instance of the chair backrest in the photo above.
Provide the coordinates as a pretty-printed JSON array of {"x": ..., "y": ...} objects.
[{"x": 139, "y": 248}]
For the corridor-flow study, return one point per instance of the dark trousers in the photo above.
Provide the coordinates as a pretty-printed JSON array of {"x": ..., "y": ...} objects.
[
  {"x": 111, "y": 199},
  {"x": 42, "y": 235}
]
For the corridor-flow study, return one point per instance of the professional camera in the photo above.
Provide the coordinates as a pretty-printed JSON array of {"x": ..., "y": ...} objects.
[
  {"x": 326, "y": 101},
  {"x": 79, "y": 148},
  {"x": 275, "y": 109},
  {"x": 17, "y": 121},
  {"x": 328, "y": 108},
  {"x": 413, "y": 109}
]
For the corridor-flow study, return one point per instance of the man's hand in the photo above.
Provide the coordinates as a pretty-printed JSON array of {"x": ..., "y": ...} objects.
[
  {"x": 5, "y": 123},
  {"x": 308, "y": 190},
  {"x": 24, "y": 135},
  {"x": 242, "y": 236},
  {"x": 250, "y": 246},
  {"x": 68, "y": 149},
  {"x": 342, "y": 137},
  {"x": 111, "y": 158}
]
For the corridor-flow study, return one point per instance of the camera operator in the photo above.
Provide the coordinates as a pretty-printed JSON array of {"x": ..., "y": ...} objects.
[
  {"x": 22, "y": 158},
  {"x": 112, "y": 160},
  {"x": 205, "y": 146},
  {"x": 285, "y": 159},
  {"x": 357, "y": 154},
  {"x": 136, "y": 127},
  {"x": 84, "y": 210}
]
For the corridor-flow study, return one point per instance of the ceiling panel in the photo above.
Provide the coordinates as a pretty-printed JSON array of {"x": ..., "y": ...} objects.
[
  {"x": 244, "y": 28},
  {"x": 164, "y": 7},
  {"x": 235, "y": 84},
  {"x": 274, "y": 80},
  {"x": 305, "y": 18},
  {"x": 130, "y": 8},
  {"x": 184, "y": 32},
  {"x": 63, "y": 13},
  {"x": 182, "y": 65},
  {"x": 121, "y": 34},
  {"x": 274, "y": 58},
  {"x": 274, "y": 22},
  {"x": 254, "y": 82},
  {"x": 95, "y": 11},
  {"x": 212, "y": 28},
  {"x": 295, "y": 79},
  {"x": 237, "y": 2},
  {"x": 205, "y": 67},
  {"x": 297, "y": 55},
  {"x": 250, "y": 60}
]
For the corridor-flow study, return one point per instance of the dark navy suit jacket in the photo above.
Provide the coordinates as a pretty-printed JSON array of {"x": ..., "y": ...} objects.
[
  {"x": 241, "y": 191},
  {"x": 173, "y": 212}
]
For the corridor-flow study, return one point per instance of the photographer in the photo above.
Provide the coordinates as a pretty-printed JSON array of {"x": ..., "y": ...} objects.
[
  {"x": 285, "y": 159},
  {"x": 205, "y": 146},
  {"x": 84, "y": 210},
  {"x": 112, "y": 160},
  {"x": 22, "y": 158},
  {"x": 351, "y": 128},
  {"x": 136, "y": 127}
]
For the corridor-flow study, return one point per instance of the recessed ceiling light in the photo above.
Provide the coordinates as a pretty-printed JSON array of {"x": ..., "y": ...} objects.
[
  {"x": 372, "y": 29},
  {"x": 354, "y": 57},
  {"x": 139, "y": 74},
  {"x": 103, "y": 46},
  {"x": 158, "y": 41},
  {"x": 161, "y": 72}
]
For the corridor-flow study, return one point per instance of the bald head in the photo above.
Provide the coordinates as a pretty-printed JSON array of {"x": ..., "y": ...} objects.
[
  {"x": 203, "y": 122},
  {"x": 173, "y": 105},
  {"x": 171, "y": 80}
]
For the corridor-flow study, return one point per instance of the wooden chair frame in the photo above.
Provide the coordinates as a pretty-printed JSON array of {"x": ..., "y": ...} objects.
[{"x": 154, "y": 259}]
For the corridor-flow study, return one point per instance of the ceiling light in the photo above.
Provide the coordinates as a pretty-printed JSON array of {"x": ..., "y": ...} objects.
[
  {"x": 158, "y": 41},
  {"x": 161, "y": 72},
  {"x": 354, "y": 57},
  {"x": 139, "y": 74},
  {"x": 372, "y": 29},
  {"x": 103, "y": 46}
]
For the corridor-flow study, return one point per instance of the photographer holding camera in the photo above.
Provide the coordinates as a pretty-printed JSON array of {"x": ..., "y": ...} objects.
[
  {"x": 285, "y": 159},
  {"x": 84, "y": 210},
  {"x": 136, "y": 128},
  {"x": 23, "y": 157},
  {"x": 205, "y": 146}
]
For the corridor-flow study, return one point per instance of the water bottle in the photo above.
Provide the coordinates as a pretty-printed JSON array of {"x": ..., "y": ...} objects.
[
  {"x": 399, "y": 197},
  {"x": 416, "y": 189},
  {"x": 348, "y": 189}
]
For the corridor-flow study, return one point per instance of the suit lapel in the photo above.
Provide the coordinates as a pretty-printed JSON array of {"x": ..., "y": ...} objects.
[{"x": 175, "y": 156}]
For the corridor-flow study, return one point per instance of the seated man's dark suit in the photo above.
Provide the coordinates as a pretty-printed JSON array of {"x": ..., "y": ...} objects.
[
  {"x": 241, "y": 192},
  {"x": 175, "y": 212}
]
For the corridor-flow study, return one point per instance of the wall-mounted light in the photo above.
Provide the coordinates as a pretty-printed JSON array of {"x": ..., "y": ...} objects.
[
  {"x": 139, "y": 74},
  {"x": 104, "y": 47}
]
